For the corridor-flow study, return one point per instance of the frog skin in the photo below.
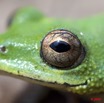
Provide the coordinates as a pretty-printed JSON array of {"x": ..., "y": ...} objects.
[{"x": 20, "y": 52}]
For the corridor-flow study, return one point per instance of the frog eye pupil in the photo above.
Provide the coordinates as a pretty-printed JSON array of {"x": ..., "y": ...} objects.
[{"x": 60, "y": 46}]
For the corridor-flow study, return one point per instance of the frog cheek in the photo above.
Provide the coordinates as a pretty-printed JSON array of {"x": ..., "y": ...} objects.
[{"x": 62, "y": 49}]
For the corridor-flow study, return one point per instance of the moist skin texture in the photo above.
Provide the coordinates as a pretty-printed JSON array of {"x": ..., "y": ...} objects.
[{"x": 20, "y": 56}]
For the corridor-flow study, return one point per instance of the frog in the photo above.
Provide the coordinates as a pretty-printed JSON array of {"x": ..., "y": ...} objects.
[{"x": 64, "y": 54}]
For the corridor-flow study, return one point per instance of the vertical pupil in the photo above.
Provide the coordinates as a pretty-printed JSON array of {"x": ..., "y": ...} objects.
[{"x": 60, "y": 46}]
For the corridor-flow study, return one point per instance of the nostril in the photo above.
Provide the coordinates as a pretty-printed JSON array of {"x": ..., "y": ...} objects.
[{"x": 2, "y": 49}]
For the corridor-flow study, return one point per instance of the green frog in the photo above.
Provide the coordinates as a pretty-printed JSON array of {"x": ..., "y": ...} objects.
[{"x": 60, "y": 53}]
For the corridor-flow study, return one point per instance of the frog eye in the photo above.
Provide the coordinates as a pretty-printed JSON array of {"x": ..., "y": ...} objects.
[{"x": 62, "y": 49}]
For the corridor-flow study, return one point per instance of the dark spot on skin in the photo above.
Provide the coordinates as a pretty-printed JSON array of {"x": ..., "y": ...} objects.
[{"x": 2, "y": 49}]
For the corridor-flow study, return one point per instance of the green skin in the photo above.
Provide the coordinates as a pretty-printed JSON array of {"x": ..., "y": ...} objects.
[{"x": 22, "y": 56}]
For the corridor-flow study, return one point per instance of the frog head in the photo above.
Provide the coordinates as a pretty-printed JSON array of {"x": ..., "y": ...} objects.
[{"x": 26, "y": 53}]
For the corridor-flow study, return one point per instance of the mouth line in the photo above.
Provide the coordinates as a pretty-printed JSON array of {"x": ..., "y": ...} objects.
[
  {"x": 75, "y": 85},
  {"x": 69, "y": 85}
]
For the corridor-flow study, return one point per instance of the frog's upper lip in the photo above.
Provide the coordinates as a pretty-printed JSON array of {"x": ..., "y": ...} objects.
[
  {"x": 40, "y": 81},
  {"x": 72, "y": 85}
]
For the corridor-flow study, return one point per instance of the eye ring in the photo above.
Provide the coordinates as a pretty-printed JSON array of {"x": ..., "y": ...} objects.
[{"x": 62, "y": 49}]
